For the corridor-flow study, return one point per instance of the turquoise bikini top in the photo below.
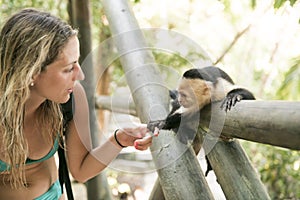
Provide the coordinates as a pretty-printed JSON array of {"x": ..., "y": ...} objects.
[{"x": 5, "y": 167}]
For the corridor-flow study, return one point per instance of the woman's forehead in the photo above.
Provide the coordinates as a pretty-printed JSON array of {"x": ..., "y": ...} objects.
[{"x": 70, "y": 52}]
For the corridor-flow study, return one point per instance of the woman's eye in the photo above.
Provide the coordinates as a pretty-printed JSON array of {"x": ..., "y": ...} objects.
[{"x": 71, "y": 69}]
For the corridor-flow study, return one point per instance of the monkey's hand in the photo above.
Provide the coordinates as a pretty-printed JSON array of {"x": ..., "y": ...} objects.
[
  {"x": 235, "y": 96},
  {"x": 171, "y": 122},
  {"x": 230, "y": 100},
  {"x": 160, "y": 124}
]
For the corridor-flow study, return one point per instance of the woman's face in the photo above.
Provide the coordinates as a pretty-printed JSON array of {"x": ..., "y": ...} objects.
[{"x": 57, "y": 81}]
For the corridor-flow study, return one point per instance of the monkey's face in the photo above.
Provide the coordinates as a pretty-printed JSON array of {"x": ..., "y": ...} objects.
[
  {"x": 193, "y": 93},
  {"x": 186, "y": 94}
]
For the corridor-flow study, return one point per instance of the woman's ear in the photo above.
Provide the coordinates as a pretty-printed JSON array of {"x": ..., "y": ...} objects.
[{"x": 33, "y": 79}]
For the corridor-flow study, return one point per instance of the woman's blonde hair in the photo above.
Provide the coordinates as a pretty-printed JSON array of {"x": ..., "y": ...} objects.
[{"x": 29, "y": 41}]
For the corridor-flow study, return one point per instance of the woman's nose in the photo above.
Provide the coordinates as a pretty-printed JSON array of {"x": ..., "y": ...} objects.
[{"x": 79, "y": 73}]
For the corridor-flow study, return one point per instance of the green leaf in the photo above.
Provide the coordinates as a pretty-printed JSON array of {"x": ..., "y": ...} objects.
[
  {"x": 290, "y": 87},
  {"x": 292, "y": 2},
  {"x": 279, "y": 3},
  {"x": 253, "y": 4}
]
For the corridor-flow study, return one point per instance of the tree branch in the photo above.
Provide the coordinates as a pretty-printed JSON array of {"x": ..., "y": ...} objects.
[{"x": 234, "y": 41}]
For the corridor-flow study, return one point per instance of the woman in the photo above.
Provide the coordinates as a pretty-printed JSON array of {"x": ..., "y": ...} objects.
[{"x": 38, "y": 71}]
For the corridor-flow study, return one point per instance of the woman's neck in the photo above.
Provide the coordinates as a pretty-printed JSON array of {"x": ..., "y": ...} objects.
[{"x": 32, "y": 104}]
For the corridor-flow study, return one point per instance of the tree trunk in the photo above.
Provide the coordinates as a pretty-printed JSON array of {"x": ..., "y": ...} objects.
[
  {"x": 97, "y": 188},
  {"x": 103, "y": 82},
  {"x": 179, "y": 171}
]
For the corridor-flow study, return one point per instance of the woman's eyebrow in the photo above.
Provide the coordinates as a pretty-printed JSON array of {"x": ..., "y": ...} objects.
[{"x": 73, "y": 61}]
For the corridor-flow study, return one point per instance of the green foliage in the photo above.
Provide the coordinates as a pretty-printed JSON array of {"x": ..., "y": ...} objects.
[
  {"x": 117, "y": 77},
  {"x": 290, "y": 87},
  {"x": 171, "y": 66},
  {"x": 279, "y": 169},
  {"x": 136, "y": 1},
  {"x": 253, "y": 3},
  {"x": 277, "y": 3},
  {"x": 172, "y": 60},
  {"x": 8, "y": 7}
]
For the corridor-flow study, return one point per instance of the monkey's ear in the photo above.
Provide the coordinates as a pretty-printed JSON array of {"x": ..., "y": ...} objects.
[{"x": 207, "y": 87}]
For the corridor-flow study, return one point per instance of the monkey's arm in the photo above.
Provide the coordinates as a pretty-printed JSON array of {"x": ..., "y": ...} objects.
[
  {"x": 234, "y": 96},
  {"x": 171, "y": 122}
]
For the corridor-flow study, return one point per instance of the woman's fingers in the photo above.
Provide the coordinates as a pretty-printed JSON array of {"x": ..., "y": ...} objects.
[
  {"x": 144, "y": 143},
  {"x": 140, "y": 137}
]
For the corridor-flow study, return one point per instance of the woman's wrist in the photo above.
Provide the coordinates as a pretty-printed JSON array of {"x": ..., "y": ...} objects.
[{"x": 116, "y": 139}]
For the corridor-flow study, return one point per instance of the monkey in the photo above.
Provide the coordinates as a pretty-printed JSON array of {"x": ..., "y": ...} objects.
[{"x": 198, "y": 88}]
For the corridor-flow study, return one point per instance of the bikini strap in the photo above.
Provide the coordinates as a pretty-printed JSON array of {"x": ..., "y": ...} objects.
[{"x": 63, "y": 171}]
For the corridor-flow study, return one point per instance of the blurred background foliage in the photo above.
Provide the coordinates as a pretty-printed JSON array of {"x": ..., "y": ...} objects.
[{"x": 256, "y": 41}]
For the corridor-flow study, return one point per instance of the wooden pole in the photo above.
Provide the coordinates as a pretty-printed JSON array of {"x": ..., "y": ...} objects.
[
  {"x": 270, "y": 122},
  {"x": 234, "y": 171},
  {"x": 157, "y": 192},
  {"x": 179, "y": 171},
  {"x": 117, "y": 104}
]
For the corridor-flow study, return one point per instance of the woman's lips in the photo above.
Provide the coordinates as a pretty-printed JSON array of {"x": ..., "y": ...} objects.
[{"x": 70, "y": 90}]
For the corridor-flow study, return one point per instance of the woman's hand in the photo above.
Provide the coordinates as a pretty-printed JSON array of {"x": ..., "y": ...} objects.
[{"x": 139, "y": 137}]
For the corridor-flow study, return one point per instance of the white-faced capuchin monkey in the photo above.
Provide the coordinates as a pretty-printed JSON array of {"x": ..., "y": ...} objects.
[{"x": 197, "y": 88}]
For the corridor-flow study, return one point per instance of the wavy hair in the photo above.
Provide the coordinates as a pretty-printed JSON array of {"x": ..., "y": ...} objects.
[{"x": 29, "y": 41}]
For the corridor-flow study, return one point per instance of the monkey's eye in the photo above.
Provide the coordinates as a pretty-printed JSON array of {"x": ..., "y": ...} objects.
[{"x": 182, "y": 95}]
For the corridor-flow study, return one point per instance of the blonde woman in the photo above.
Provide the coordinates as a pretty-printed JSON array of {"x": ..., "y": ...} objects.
[{"x": 39, "y": 70}]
